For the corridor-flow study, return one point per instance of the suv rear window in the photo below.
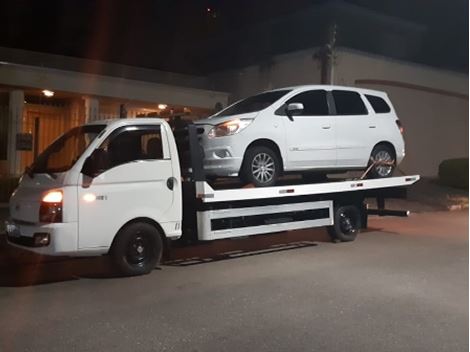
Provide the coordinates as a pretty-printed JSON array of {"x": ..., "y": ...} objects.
[
  {"x": 254, "y": 103},
  {"x": 379, "y": 105},
  {"x": 349, "y": 103}
]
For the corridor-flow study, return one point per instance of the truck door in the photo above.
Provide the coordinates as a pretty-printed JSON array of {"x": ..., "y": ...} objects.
[{"x": 134, "y": 181}]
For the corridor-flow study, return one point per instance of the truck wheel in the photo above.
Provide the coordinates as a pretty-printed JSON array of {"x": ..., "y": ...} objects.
[
  {"x": 261, "y": 167},
  {"x": 382, "y": 153},
  {"x": 347, "y": 223},
  {"x": 137, "y": 249}
]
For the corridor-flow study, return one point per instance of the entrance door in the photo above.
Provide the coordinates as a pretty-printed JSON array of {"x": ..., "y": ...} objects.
[
  {"x": 132, "y": 183},
  {"x": 311, "y": 136}
]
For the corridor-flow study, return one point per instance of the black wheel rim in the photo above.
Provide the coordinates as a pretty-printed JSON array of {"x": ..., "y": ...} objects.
[
  {"x": 139, "y": 249},
  {"x": 347, "y": 222}
]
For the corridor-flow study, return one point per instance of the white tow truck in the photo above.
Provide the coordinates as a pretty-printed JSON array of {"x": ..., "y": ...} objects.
[{"x": 128, "y": 187}]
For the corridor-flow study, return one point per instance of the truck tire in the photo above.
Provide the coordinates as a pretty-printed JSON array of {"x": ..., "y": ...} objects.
[
  {"x": 347, "y": 223},
  {"x": 137, "y": 249},
  {"x": 261, "y": 167}
]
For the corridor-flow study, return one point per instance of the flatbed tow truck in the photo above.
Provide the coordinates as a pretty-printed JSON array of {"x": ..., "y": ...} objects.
[{"x": 132, "y": 208}]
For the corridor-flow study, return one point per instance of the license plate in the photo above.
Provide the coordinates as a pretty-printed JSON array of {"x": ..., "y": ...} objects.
[{"x": 12, "y": 230}]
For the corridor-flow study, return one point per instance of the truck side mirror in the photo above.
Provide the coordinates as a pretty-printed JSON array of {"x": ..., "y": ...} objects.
[
  {"x": 294, "y": 109},
  {"x": 95, "y": 163},
  {"x": 88, "y": 168}
]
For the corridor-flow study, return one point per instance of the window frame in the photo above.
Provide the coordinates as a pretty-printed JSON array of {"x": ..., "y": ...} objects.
[
  {"x": 372, "y": 105},
  {"x": 364, "y": 102},
  {"x": 281, "y": 111},
  {"x": 155, "y": 128}
]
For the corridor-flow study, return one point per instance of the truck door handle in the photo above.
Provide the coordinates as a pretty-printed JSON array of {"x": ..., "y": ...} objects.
[
  {"x": 170, "y": 183},
  {"x": 326, "y": 127}
]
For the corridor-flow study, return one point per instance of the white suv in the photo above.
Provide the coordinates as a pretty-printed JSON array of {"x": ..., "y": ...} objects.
[{"x": 305, "y": 129}]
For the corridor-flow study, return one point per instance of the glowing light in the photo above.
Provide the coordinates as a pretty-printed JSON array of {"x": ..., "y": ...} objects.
[
  {"x": 89, "y": 197},
  {"x": 53, "y": 197},
  {"x": 162, "y": 106},
  {"x": 48, "y": 93}
]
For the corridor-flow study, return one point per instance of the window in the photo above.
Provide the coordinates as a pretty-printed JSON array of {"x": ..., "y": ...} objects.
[
  {"x": 314, "y": 101},
  {"x": 379, "y": 105},
  {"x": 130, "y": 144},
  {"x": 349, "y": 103},
  {"x": 254, "y": 103},
  {"x": 61, "y": 155}
]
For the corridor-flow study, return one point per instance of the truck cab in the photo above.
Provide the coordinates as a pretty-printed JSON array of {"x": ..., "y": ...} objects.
[{"x": 95, "y": 181}]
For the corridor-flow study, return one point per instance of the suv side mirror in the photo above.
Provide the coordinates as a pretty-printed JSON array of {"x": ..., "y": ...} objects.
[
  {"x": 95, "y": 163},
  {"x": 294, "y": 109}
]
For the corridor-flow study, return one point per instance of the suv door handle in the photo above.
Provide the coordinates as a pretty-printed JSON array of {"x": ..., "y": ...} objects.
[
  {"x": 326, "y": 127},
  {"x": 372, "y": 126},
  {"x": 170, "y": 183}
]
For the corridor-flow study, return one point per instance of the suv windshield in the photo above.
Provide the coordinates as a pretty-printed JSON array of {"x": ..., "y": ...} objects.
[
  {"x": 254, "y": 103},
  {"x": 61, "y": 155}
]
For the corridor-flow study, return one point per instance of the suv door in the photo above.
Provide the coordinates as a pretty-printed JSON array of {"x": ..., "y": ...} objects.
[
  {"x": 354, "y": 129},
  {"x": 135, "y": 167},
  {"x": 310, "y": 137}
]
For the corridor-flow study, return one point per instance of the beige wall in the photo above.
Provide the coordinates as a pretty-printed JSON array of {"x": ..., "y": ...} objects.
[
  {"x": 432, "y": 103},
  {"x": 282, "y": 71}
]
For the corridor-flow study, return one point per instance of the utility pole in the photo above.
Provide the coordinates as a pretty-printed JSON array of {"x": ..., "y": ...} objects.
[{"x": 326, "y": 55}]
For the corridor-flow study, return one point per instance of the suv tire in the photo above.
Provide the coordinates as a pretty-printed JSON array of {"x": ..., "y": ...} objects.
[{"x": 261, "y": 167}]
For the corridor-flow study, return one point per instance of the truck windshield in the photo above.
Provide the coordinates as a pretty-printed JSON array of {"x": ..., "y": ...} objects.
[
  {"x": 254, "y": 103},
  {"x": 61, "y": 155}
]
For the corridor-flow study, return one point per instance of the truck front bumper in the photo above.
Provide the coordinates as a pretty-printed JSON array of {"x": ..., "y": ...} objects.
[{"x": 46, "y": 239}]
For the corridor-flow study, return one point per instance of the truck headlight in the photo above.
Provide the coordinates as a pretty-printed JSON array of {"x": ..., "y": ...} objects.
[
  {"x": 229, "y": 128},
  {"x": 50, "y": 209}
]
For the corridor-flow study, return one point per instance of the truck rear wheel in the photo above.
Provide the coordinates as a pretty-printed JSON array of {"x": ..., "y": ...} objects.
[
  {"x": 347, "y": 223},
  {"x": 137, "y": 249}
]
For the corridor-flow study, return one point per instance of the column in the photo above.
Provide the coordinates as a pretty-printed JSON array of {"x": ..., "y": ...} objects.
[
  {"x": 92, "y": 109},
  {"x": 15, "y": 120}
]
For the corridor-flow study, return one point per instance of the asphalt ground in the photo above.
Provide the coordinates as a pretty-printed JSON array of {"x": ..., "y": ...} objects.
[{"x": 401, "y": 286}]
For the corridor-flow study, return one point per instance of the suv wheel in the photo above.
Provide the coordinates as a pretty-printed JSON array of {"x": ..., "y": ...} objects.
[
  {"x": 261, "y": 167},
  {"x": 383, "y": 154}
]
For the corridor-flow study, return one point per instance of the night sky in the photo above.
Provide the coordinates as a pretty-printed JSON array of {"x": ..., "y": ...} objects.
[{"x": 158, "y": 33}]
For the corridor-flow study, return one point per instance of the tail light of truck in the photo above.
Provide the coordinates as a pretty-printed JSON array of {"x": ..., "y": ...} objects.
[
  {"x": 400, "y": 126},
  {"x": 51, "y": 207}
]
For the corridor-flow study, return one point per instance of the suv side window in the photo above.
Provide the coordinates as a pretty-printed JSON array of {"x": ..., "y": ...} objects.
[
  {"x": 314, "y": 101},
  {"x": 379, "y": 105},
  {"x": 349, "y": 103},
  {"x": 131, "y": 144}
]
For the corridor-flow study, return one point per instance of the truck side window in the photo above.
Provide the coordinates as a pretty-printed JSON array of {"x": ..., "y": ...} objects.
[{"x": 133, "y": 144}]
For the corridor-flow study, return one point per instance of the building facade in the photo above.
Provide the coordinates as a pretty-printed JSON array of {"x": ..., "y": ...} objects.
[
  {"x": 431, "y": 103},
  {"x": 42, "y": 96}
]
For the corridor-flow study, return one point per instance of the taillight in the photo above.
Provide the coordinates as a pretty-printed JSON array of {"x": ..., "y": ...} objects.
[
  {"x": 400, "y": 126},
  {"x": 51, "y": 207}
]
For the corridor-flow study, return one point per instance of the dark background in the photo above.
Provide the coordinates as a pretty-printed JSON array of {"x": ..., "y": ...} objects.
[{"x": 176, "y": 35}]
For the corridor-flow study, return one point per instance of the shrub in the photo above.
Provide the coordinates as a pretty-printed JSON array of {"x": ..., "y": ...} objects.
[{"x": 454, "y": 173}]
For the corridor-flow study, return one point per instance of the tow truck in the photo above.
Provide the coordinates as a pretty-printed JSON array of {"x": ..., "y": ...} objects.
[{"x": 130, "y": 187}]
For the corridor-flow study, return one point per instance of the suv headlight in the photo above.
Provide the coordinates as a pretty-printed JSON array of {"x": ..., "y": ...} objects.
[{"x": 229, "y": 128}]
